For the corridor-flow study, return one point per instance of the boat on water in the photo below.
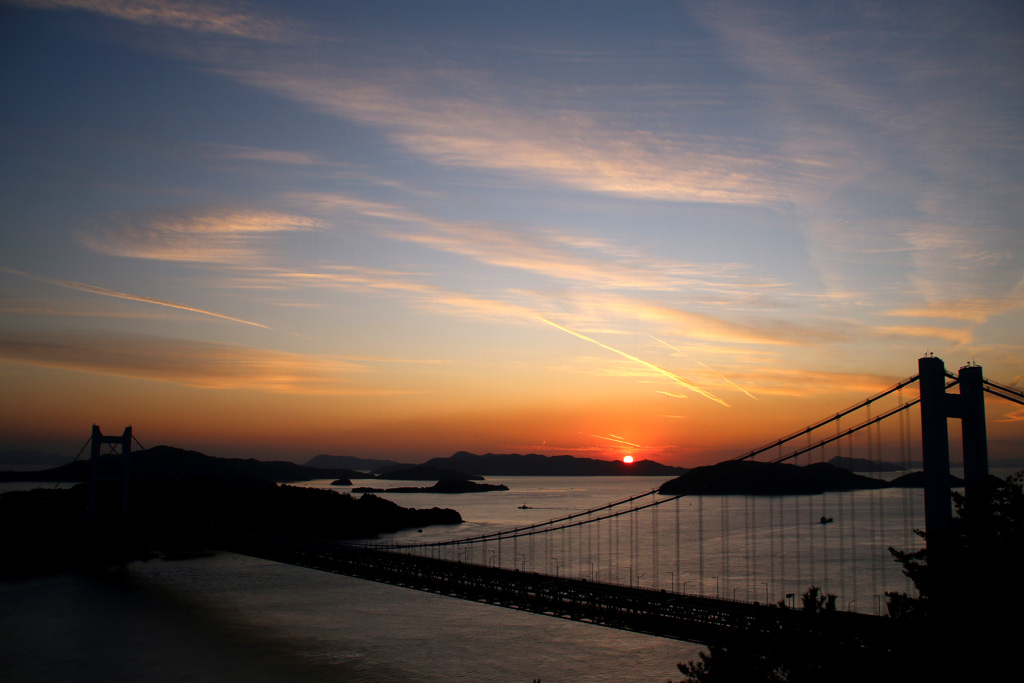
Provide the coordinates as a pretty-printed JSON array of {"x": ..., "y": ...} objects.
[{"x": 825, "y": 520}]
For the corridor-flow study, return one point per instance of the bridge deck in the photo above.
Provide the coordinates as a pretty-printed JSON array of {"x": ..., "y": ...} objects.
[{"x": 660, "y": 613}]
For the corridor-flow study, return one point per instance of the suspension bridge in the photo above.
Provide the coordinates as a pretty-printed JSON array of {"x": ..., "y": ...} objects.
[{"x": 701, "y": 567}]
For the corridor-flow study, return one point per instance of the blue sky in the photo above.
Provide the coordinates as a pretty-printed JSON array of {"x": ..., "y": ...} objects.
[{"x": 413, "y": 228}]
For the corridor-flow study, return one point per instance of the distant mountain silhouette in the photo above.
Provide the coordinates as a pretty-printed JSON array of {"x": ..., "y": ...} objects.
[
  {"x": 532, "y": 464},
  {"x": 754, "y": 478},
  {"x": 349, "y": 462},
  {"x": 166, "y": 462},
  {"x": 864, "y": 465}
]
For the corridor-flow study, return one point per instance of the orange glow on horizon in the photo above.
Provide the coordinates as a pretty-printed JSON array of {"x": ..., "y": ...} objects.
[{"x": 628, "y": 459}]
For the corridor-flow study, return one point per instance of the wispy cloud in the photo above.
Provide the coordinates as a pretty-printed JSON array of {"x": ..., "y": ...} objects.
[
  {"x": 492, "y": 131},
  {"x": 329, "y": 203},
  {"x": 798, "y": 382},
  {"x": 524, "y": 308},
  {"x": 905, "y": 106},
  {"x": 1013, "y": 416},
  {"x": 64, "y": 307},
  {"x": 261, "y": 154},
  {"x": 971, "y": 310},
  {"x": 979, "y": 266},
  {"x": 507, "y": 305},
  {"x": 694, "y": 325},
  {"x": 929, "y": 332},
  {"x": 226, "y": 236},
  {"x": 409, "y": 287},
  {"x": 207, "y": 365},
  {"x": 550, "y": 255},
  {"x": 216, "y": 18},
  {"x": 557, "y": 255}
]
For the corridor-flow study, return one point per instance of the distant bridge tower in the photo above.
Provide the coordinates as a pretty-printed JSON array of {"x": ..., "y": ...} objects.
[
  {"x": 936, "y": 407},
  {"x": 97, "y": 441}
]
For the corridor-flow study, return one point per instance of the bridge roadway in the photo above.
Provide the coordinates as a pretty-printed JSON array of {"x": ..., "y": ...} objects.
[{"x": 669, "y": 615}]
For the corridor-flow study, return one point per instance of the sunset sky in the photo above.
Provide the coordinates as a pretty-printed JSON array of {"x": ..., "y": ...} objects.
[{"x": 675, "y": 230}]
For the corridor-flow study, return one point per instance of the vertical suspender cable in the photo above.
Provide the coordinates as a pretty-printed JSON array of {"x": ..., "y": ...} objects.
[
  {"x": 677, "y": 535},
  {"x": 874, "y": 506},
  {"x": 844, "y": 519},
  {"x": 655, "y": 547},
  {"x": 700, "y": 539},
  {"x": 724, "y": 508},
  {"x": 773, "y": 545},
  {"x": 634, "y": 537},
  {"x": 615, "y": 554},
  {"x": 747, "y": 523},
  {"x": 906, "y": 491}
]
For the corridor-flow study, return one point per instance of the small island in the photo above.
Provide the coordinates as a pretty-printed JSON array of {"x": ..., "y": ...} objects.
[
  {"x": 443, "y": 486},
  {"x": 767, "y": 479}
]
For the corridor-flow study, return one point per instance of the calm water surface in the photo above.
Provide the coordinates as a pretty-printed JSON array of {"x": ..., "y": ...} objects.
[
  {"x": 227, "y": 617},
  {"x": 741, "y": 547}
]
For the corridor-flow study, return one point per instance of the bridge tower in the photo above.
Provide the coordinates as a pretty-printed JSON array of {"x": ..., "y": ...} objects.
[
  {"x": 97, "y": 441},
  {"x": 936, "y": 407},
  {"x": 975, "y": 438}
]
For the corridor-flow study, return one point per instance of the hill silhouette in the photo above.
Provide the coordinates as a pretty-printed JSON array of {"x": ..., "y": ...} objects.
[
  {"x": 30, "y": 460},
  {"x": 166, "y": 461},
  {"x": 864, "y": 465},
  {"x": 183, "y": 500},
  {"x": 754, "y": 478}
]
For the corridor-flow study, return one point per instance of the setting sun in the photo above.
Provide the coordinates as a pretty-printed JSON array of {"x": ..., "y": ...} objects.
[{"x": 627, "y": 459}]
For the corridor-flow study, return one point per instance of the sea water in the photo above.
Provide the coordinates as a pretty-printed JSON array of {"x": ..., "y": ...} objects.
[
  {"x": 228, "y": 617},
  {"x": 750, "y": 548}
]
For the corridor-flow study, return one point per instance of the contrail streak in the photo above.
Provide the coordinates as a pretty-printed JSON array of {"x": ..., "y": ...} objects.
[
  {"x": 671, "y": 375},
  {"x": 704, "y": 366},
  {"x": 669, "y": 393},
  {"x": 69, "y": 284},
  {"x": 613, "y": 439}
]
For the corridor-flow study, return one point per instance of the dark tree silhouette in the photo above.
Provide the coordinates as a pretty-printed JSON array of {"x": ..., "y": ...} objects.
[
  {"x": 983, "y": 547},
  {"x": 957, "y": 628},
  {"x": 806, "y": 654},
  {"x": 970, "y": 593}
]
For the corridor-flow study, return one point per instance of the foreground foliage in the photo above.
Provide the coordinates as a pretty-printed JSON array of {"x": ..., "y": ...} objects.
[{"x": 957, "y": 628}]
